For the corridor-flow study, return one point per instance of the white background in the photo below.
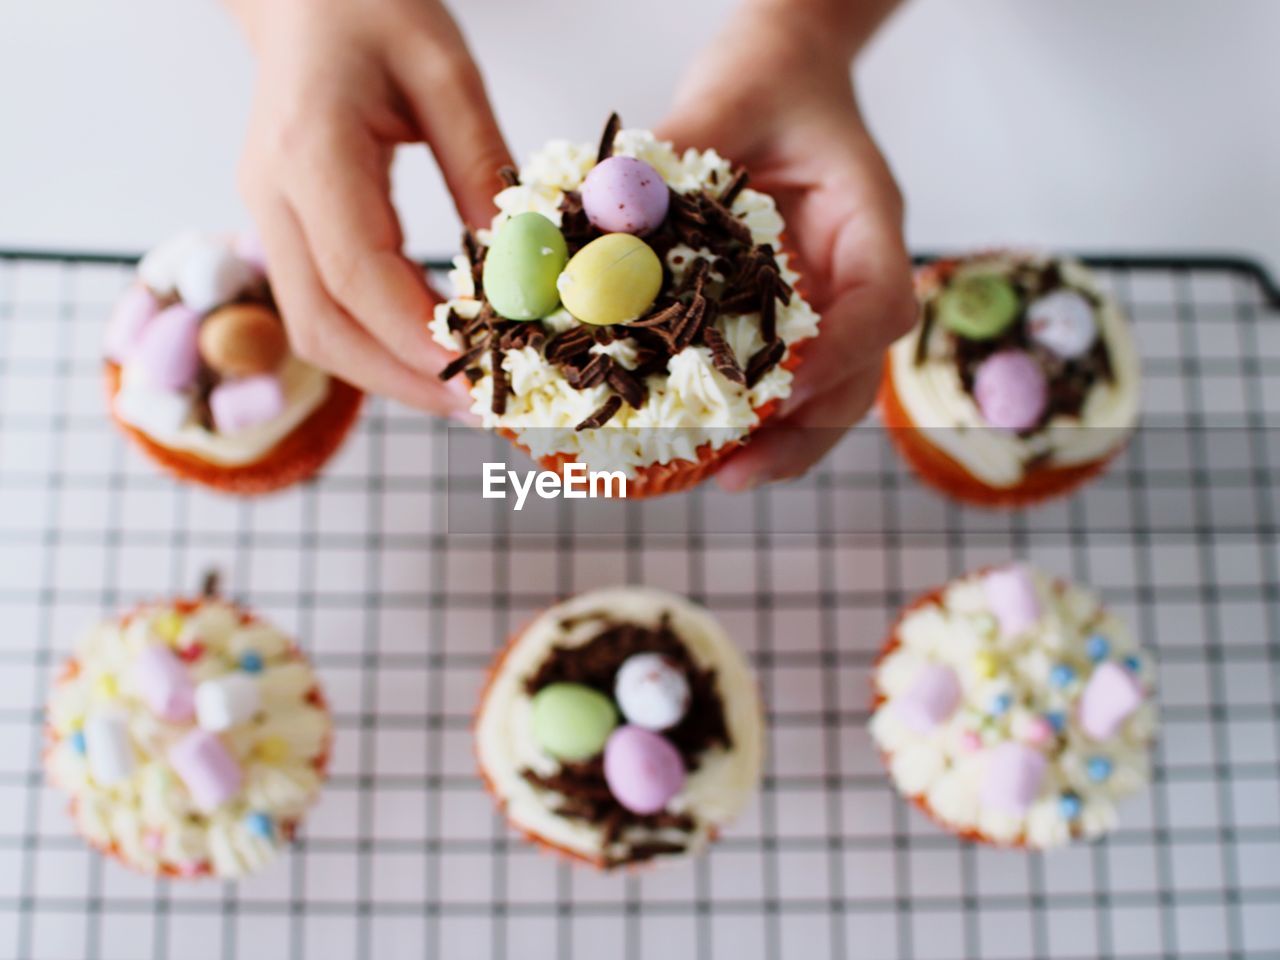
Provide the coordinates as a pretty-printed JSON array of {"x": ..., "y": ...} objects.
[{"x": 1148, "y": 124}]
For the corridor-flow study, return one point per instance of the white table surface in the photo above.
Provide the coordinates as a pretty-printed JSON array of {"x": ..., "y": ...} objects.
[{"x": 1144, "y": 125}]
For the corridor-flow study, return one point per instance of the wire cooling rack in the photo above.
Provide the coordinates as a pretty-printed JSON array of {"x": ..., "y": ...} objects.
[{"x": 404, "y": 857}]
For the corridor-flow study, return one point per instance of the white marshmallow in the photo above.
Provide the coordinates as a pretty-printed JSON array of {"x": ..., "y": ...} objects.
[
  {"x": 227, "y": 701},
  {"x": 159, "y": 269},
  {"x": 157, "y": 413},
  {"x": 106, "y": 743},
  {"x": 651, "y": 691},
  {"x": 212, "y": 275}
]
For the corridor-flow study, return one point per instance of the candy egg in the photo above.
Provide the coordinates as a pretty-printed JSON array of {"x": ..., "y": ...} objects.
[
  {"x": 1011, "y": 390},
  {"x": 643, "y": 770},
  {"x": 625, "y": 195},
  {"x": 212, "y": 275},
  {"x": 243, "y": 339},
  {"x": 1011, "y": 594},
  {"x": 167, "y": 355},
  {"x": 239, "y": 405},
  {"x": 1063, "y": 323},
  {"x": 522, "y": 265},
  {"x": 651, "y": 691},
  {"x": 571, "y": 721},
  {"x": 978, "y": 306},
  {"x": 137, "y": 308},
  {"x": 613, "y": 279}
]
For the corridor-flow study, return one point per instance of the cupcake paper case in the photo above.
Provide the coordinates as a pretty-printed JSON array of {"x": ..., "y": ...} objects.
[
  {"x": 631, "y": 308},
  {"x": 1014, "y": 709},
  {"x": 190, "y": 737},
  {"x": 620, "y": 726},
  {"x": 1020, "y": 384},
  {"x": 200, "y": 375}
]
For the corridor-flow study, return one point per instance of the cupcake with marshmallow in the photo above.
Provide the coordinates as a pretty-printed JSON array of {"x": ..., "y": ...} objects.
[
  {"x": 1014, "y": 709},
  {"x": 191, "y": 738},
  {"x": 201, "y": 377}
]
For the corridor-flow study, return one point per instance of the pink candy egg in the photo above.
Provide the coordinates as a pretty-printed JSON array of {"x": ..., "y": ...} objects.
[
  {"x": 625, "y": 195},
  {"x": 643, "y": 770},
  {"x": 1011, "y": 595},
  {"x": 137, "y": 308},
  {"x": 167, "y": 354},
  {"x": 1011, "y": 390},
  {"x": 240, "y": 404}
]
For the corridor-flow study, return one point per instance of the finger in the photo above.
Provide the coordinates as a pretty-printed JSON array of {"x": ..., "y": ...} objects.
[
  {"x": 340, "y": 192},
  {"x": 788, "y": 448},
  {"x": 323, "y": 334}
]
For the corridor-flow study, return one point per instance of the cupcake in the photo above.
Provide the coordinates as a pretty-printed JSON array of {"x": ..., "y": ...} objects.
[
  {"x": 1020, "y": 383},
  {"x": 201, "y": 377},
  {"x": 1014, "y": 709},
  {"x": 620, "y": 726},
  {"x": 191, "y": 738},
  {"x": 630, "y": 309}
]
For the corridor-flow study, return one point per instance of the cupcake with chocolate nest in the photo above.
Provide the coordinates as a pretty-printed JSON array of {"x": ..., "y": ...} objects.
[
  {"x": 1020, "y": 383},
  {"x": 200, "y": 375},
  {"x": 191, "y": 738},
  {"x": 621, "y": 726},
  {"x": 1014, "y": 709},
  {"x": 631, "y": 309}
]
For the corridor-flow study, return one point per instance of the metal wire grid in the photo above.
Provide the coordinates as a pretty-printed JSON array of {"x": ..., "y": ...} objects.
[{"x": 404, "y": 857}]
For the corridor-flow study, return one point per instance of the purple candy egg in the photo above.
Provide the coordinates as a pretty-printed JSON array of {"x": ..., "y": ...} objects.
[
  {"x": 625, "y": 195},
  {"x": 643, "y": 770},
  {"x": 132, "y": 313},
  {"x": 1011, "y": 390},
  {"x": 240, "y": 404},
  {"x": 167, "y": 353}
]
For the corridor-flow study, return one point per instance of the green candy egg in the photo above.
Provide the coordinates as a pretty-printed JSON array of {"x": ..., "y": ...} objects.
[
  {"x": 613, "y": 279},
  {"x": 979, "y": 306},
  {"x": 522, "y": 265},
  {"x": 572, "y": 722}
]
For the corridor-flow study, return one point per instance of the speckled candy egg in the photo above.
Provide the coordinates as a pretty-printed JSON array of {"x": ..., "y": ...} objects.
[
  {"x": 243, "y": 339},
  {"x": 613, "y": 279},
  {"x": 625, "y": 195},
  {"x": 651, "y": 691},
  {"x": 1063, "y": 323},
  {"x": 572, "y": 721},
  {"x": 1011, "y": 390},
  {"x": 522, "y": 265},
  {"x": 643, "y": 770}
]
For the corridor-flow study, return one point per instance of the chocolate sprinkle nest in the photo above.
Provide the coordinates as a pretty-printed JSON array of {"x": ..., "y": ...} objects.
[
  {"x": 584, "y": 793},
  {"x": 683, "y": 314}
]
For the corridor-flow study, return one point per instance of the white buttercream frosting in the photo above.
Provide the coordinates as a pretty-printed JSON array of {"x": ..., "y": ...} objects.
[
  {"x": 149, "y": 817},
  {"x": 937, "y": 404},
  {"x": 714, "y": 793},
  {"x": 946, "y": 765},
  {"x": 694, "y": 404}
]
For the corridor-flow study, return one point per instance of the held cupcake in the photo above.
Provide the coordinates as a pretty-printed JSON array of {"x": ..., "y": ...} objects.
[
  {"x": 191, "y": 738},
  {"x": 631, "y": 309},
  {"x": 201, "y": 377},
  {"x": 1014, "y": 709},
  {"x": 1020, "y": 383},
  {"x": 620, "y": 726}
]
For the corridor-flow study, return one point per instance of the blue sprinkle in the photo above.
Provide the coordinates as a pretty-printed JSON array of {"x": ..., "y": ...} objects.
[
  {"x": 1069, "y": 806},
  {"x": 77, "y": 742},
  {"x": 1133, "y": 663},
  {"x": 1057, "y": 719},
  {"x": 251, "y": 661},
  {"x": 1062, "y": 676},
  {"x": 1098, "y": 768},
  {"x": 1098, "y": 647},
  {"x": 259, "y": 824},
  {"x": 1000, "y": 704}
]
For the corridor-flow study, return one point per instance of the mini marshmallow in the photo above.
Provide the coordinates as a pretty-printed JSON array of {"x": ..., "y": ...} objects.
[
  {"x": 1011, "y": 594},
  {"x": 157, "y": 413},
  {"x": 207, "y": 768},
  {"x": 106, "y": 738},
  {"x": 240, "y": 404},
  {"x": 1109, "y": 698},
  {"x": 212, "y": 275},
  {"x": 160, "y": 267},
  {"x": 1063, "y": 323},
  {"x": 167, "y": 354},
  {"x": 133, "y": 312},
  {"x": 651, "y": 691},
  {"x": 227, "y": 701},
  {"x": 932, "y": 697},
  {"x": 1012, "y": 778},
  {"x": 164, "y": 684}
]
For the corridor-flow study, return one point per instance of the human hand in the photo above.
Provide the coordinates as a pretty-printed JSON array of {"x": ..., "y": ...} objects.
[
  {"x": 340, "y": 85},
  {"x": 773, "y": 93}
]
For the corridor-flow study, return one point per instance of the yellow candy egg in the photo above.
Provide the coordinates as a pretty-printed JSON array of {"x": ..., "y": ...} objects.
[{"x": 613, "y": 279}]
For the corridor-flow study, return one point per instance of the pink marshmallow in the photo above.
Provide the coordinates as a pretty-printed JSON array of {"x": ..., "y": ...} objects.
[
  {"x": 206, "y": 767},
  {"x": 1012, "y": 777},
  {"x": 133, "y": 312},
  {"x": 1011, "y": 594},
  {"x": 165, "y": 685},
  {"x": 167, "y": 353},
  {"x": 1011, "y": 390},
  {"x": 240, "y": 404},
  {"x": 932, "y": 697},
  {"x": 1109, "y": 698}
]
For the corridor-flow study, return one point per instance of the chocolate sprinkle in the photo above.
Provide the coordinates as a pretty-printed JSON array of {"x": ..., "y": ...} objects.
[
  {"x": 735, "y": 187},
  {"x": 602, "y": 415},
  {"x": 764, "y": 360},
  {"x": 611, "y": 128},
  {"x": 509, "y": 175},
  {"x": 501, "y": 386}
]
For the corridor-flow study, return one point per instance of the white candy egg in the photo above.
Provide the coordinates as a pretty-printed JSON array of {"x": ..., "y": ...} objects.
[
  {"x": 1063, "y": 323},
  {"x": 651, "y": 691}
]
